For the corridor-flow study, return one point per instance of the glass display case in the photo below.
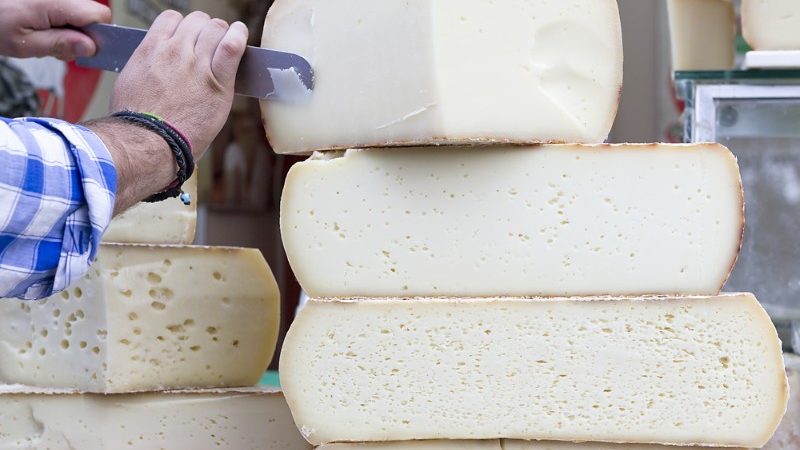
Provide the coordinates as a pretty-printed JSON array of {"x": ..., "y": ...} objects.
[{"x": 756, "y": 114}]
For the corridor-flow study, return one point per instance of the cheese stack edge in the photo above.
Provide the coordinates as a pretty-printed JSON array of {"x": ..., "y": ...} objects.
[
  {"x": 501, "y": 444},
  {"x": 551, "y": 220},
  {"x": 233, "y": 419},
  {"x": 148, "y": 318},
  {"x": 447, "y": 72},
  {"x": 666, "y": 370}
]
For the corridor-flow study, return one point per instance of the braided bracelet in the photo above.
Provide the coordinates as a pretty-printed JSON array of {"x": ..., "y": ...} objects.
[{"x": 178, "y": 144}]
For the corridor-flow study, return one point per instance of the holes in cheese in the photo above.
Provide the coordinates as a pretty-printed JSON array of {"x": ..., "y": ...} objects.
[
  {"x": 771, "y": 24},
  {"x": 245, "y": 419},
  {"x": 525, "y": 221},
  {"x": 148, "y": 318},
  {"x": 686, "y": 370},
  {"x": 447, "y": 71},
  {"x": 167, "y": 222}
]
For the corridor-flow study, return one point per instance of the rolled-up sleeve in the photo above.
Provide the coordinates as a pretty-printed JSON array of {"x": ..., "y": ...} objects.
[{"x": 57, "y": 192}]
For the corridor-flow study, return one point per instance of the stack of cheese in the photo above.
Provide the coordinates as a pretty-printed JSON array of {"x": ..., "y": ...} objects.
[
  {"x": 150, "y": 350},
  {"x": 494, "y": 295}
]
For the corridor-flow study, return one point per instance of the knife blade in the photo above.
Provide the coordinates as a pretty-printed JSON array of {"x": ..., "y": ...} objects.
[{"x": 263, "y": 73}]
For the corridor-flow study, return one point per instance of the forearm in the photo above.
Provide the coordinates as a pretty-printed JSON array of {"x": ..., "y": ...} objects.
[{"x": 145, "y": 165}]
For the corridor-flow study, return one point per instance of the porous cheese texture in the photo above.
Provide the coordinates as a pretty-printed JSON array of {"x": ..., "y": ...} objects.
[
  {"x": 167, "y": 222},
  {"x": 447, "y": 71},
  {"x": 685, "y": 370},
  {"x": 504, "y": 444},
  {"x": 702, "y": 34},
  {"x": 771, "y": 24},
  {"x": 148, "y": 318},
  {"x": 514, "y": 221},
  {"x": 788, "y": 435},
  {"x": 246, "y": 419}
]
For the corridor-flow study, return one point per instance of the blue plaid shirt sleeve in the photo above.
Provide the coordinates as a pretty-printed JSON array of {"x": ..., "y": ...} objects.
[{"x": 57, "y": 191}]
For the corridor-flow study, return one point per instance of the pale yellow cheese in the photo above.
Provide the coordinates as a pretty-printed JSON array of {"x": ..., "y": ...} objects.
[
  {"x": 394, "y": 72},
  {"x": 771, "y": 24},
  {"x": 148, "y": 318},
  {"x": 687, "y": 370},
  {"x": 504, "y": 444},
  {"x": 518, "y": 221},
  {"x": 243, "y": 419},
  {"x": 167, "y": 222},
  {"x": 702, "y": 34},
  {"x": 788, "y": 435}
]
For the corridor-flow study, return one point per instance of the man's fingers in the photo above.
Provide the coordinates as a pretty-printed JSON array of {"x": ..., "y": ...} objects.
[
  {"x": 164, "y": 26},
  {"x": 77, "y": 13},
  {"x": 229, "y": 54},
  {"x": 63, "y": 44},
  {"x": 209, "y": 39},
  {"x": 190, "y": 27}
]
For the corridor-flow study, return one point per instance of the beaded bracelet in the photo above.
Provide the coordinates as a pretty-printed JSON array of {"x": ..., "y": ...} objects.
[{"x": 178, "y": 144}]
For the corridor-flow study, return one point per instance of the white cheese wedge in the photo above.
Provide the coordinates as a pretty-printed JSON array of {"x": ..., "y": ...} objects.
[
  {"x": 167, "y": 222},
  {"x": 505, "y": 444},
  {"x": 788, "y": 435},
  {"x": 514, "y": 221},
  {"x": 244, "y": 419},
  {"x": 702, "y": 34},
  {"x": 685, "y": 370},
  {"x": 148, "y": 318},
  {"x": 447, "y": 71},
  {"x": 771, "y": 24}
]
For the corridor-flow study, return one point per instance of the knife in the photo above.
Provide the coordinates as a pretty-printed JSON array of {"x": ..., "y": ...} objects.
[{"x": 265, "y": 74}]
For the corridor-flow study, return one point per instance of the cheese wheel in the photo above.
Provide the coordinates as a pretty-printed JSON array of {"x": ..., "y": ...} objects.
[
  {"x": 553, "y": 220},
  {"x": 148, "y": 318},
  {"x": 702, "y": 34},
  {"x": 240, "y": 419},
  {"x": 394, "y": 72},
  {"x": 665, "y": 370},
  {"x": 771, "y": 24}
]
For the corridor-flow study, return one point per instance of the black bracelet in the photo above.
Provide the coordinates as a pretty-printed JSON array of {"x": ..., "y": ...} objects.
[{"x": 178, "y": 144}]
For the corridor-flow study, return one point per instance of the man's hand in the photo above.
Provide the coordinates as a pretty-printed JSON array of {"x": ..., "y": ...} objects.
[
  {"x": 184, "y": 72},
  {"x": 33, "y": 28}
]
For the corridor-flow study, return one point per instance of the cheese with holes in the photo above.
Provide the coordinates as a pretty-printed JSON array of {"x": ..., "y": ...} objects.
[
  {"x": 447, "y": 71},
  {"x": 243, "y": 419},
  {"x": 703, "y": 34},
  {"x": 548, "y": 220},
  {"x": 167, "y": 222},
  {"x": 771, "y": 24},
  {"x": 685, "y": 370},
  {"x": 148, "y": 318},
  {"x": 788, "y": 435},
  {"x": 504, "y": 444}
]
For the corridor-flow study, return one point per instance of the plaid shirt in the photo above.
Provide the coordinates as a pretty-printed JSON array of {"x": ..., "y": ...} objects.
[{"x": 57, "y": 190}]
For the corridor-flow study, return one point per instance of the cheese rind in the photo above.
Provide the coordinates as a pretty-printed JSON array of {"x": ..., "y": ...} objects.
[
  {"x": 683, "y": 371},
  {"x": 509, "y": 444},
  {"x": 788, "y": 435},
  {"x": 167, "y": 222},
  {"x": 702, "y": 34},
  {"x": 148, "y": 318},
  {"x": 447, "y": 72},
  {"x": 252, "y": 419},
  {"x": 504, "y": 444},
  {"x": 514, "y": 221},
  {"x": 771, "y": 24}
]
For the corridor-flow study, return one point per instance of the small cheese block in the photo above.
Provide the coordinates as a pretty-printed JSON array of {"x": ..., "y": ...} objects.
[
  {"x": 703, "y": 34},
  {"x": 788, "y": 435},
  {"x": 684, "y": 370},
  {"x": 148, "y": 318},
  {"x": 244, "y": 419},
  {"x": 771, "y": 24},
  {"x": 516, "y": 221},
  {"x": 167, "y": 222},
  {"x": 447, "y": 71},
  {"x": 505, "y": 444}
]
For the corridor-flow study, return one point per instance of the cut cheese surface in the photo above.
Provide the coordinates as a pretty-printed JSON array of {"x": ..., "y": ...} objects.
[
  {"x": 447, "y": 71},
  {"x": 247, "y": 419},
  {"x": 788, "y": 435},
  {"x": 514, "y": 221},
  {"x": 703, "y": 34},
  {"x": 771, "y": 24},
  {"x": 167, "y": 222},
  {"x": 504, "y": 444},
  {"x": 687, "y": 370},
  {"x": 148, "y": 318}
]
